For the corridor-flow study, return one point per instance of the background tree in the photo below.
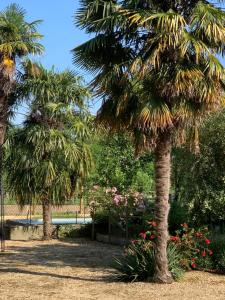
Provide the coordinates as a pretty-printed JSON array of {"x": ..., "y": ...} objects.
[
  {"x": 201, "y": 177},
  {"x": 49, "y": 155},
  {"x": 156, "y": 69},
  {"x": 116, "y": 166}
]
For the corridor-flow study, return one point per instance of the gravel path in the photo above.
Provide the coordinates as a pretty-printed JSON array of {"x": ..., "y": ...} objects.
[{"x": 80, "y": 270}]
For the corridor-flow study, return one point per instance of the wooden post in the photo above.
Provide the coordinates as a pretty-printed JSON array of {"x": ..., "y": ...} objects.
[
  {"x": 93, "y": 226},
  {"x": 84, "y": 214},
  {"x": 2, "y": 203},
  {"x": 81, "y": 200},
  {"x": 126, "y": 220},
  {"x": 109, "y": 226}
]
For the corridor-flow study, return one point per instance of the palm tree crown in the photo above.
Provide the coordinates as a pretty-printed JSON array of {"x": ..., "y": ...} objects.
[
  {"x": 155, "y": 62},
  {"x": 18, "y": 39}
]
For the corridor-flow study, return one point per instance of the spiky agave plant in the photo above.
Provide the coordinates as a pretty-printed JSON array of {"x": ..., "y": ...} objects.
[
  {"x": 49, "y": 156},
  {"x": 155, "y": 64}
]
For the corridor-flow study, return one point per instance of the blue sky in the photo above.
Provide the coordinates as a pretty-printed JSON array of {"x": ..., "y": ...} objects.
[{"x": 60, "y": 34}]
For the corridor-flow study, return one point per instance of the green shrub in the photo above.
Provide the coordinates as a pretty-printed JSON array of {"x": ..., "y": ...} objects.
[
  {"x": 205, "y": 263},
  {"x": 67, "y": 231},
  {"x": 177, "y": 216},
  {"x": 174, "y": 261},
  {"x": 218, "y": 248},
  {"x": 101, "y": 219},
  {"x": 72, "y": 231},
  {"x": 138, "y": 262}
]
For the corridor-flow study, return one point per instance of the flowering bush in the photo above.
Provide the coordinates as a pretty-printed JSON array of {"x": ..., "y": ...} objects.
[
  {"x": 188, "y": 249},
  {"x": 127, "y": 212},
  {"x": 194, "y": 245},
  {"x": 110, "y": 198}
]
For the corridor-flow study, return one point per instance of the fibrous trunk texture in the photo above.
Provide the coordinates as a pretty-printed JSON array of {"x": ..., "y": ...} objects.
[
  {"x": 162, "y": 181},
  {"x": 47, "y": 228},
  {"x": 3, "y": 116}
]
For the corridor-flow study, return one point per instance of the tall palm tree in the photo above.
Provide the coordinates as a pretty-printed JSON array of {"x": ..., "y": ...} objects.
[
  {"x": 49, "y": 156},
  {"x": 156, "y": 67},
  {"x": 18, "y": 39}
]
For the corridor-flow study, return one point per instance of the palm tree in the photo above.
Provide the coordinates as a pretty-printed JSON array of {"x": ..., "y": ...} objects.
[
  {"x": 18, "y": 39},
  {"x": 49, "y": 156},
  {"x": 156, "y": 67}
]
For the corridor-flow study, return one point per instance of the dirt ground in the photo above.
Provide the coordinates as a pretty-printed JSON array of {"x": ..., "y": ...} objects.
[{"x": 81, "y": 270}]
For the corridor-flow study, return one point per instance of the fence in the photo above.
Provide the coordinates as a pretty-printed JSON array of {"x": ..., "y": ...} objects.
[{"x": 13, "y": 210}]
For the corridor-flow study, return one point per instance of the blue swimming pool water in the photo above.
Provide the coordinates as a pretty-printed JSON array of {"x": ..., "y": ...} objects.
[{"x": 62, "y": 221}]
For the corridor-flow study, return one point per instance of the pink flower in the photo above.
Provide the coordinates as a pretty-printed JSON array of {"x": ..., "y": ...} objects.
[
  {"x": 108, "y": 191},
  {"x": 142, "y": 235},
  {"x": 117, "y": 199},
  {"x": 96, "y": 187},
  {"x": 199, "y": 234},
  {"x": 153, "y": 223},
  {"x": 125, "y": 201},
  {"x": 114, "y": 190}
]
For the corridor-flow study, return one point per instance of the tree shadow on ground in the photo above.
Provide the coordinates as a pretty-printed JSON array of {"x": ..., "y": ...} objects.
[
  {"x": 108, "y": 279},
  {"x": 22, "y": 257}
]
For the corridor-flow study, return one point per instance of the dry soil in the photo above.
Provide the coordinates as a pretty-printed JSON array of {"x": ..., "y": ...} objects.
[{"x": 81, "y": 270}]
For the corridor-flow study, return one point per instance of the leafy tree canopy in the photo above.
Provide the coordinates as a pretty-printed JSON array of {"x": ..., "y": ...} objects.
[{"x": 200, "y": 179}]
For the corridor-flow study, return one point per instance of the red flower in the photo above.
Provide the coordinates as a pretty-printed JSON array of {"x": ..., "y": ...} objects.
[
  {"x": 194, "y": 259},
  {"x": 203, "y": 253},
  {"x": 197, "y": 250},
  {"x": 142, "y": 235},
  {"x": 185, "y": 225},
  {"x": 199, "y": 234},
  {"x": 153, "y": 223},
  {"x": 207, "y": 242},
  {"x": 210, "y": 252},
  {"x": 152, "y": 237},
  {"x": 134, "y": 242},
  {"x": 174, "y": 238},
  {"x": 193, "y": 265}
]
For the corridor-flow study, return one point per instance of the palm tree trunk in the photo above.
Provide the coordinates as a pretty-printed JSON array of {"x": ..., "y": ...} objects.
[
  {"x": 47, "y": 228},
  {"x": 162, "y": 181},
  {"x": 3, "y": 125},
  {"x": 3, "y": 116}
]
